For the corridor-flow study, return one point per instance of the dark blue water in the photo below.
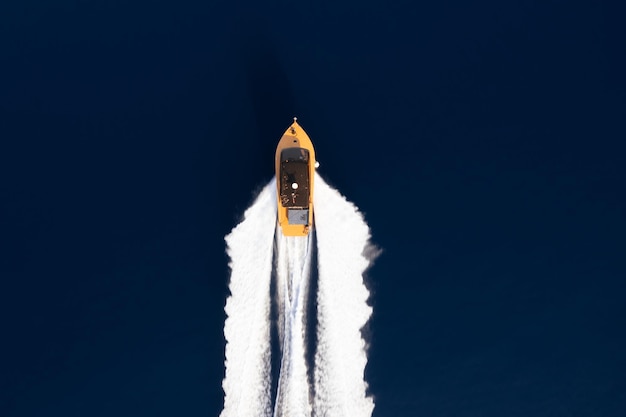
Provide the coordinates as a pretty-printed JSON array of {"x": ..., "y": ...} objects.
[{"x": 484, "y": 143}]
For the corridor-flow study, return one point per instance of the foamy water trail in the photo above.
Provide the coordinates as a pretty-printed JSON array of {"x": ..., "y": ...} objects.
[
  {"x": 247, "y": 381},
  {"x": 293, "y": 270},
  {"x": 254, "y": 247},
  {"x": 342, "y": 239}
]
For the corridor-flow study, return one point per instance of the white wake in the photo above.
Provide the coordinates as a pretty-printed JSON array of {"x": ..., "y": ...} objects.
[
  {"x": 293, "y": 272},
  {"x": 254, "y": 246},
  {"x": 247, "y": 390},
  {"x": 342, "y": 240}
]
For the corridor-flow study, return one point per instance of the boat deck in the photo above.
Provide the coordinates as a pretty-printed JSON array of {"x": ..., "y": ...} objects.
[{"x": 294, "y": 183}]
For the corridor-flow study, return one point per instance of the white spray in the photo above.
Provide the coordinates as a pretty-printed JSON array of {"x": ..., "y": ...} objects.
[
  {"x": 342, "y": 310},
  {"x": 247, "y": 382},
  {"x": 342, "y": 239}
]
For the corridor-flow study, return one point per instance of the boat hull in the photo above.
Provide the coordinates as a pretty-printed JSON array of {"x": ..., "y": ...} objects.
[{"x": 295, "y": 172}]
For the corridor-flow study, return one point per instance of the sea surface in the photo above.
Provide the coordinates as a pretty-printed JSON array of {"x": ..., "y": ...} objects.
[{"x": 483, "y": 142}]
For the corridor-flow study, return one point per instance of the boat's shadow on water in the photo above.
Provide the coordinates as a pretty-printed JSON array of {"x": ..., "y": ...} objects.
[
  {"x": 263, "y": 108},
  {"x": 268, "y": 86}
]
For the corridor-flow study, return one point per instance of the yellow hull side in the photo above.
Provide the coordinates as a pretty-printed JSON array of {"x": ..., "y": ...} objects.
[{"x": 295, "y": 136}]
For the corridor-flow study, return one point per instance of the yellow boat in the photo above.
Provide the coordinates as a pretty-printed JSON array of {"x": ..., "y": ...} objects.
[{"x": 295, "y": 170}]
